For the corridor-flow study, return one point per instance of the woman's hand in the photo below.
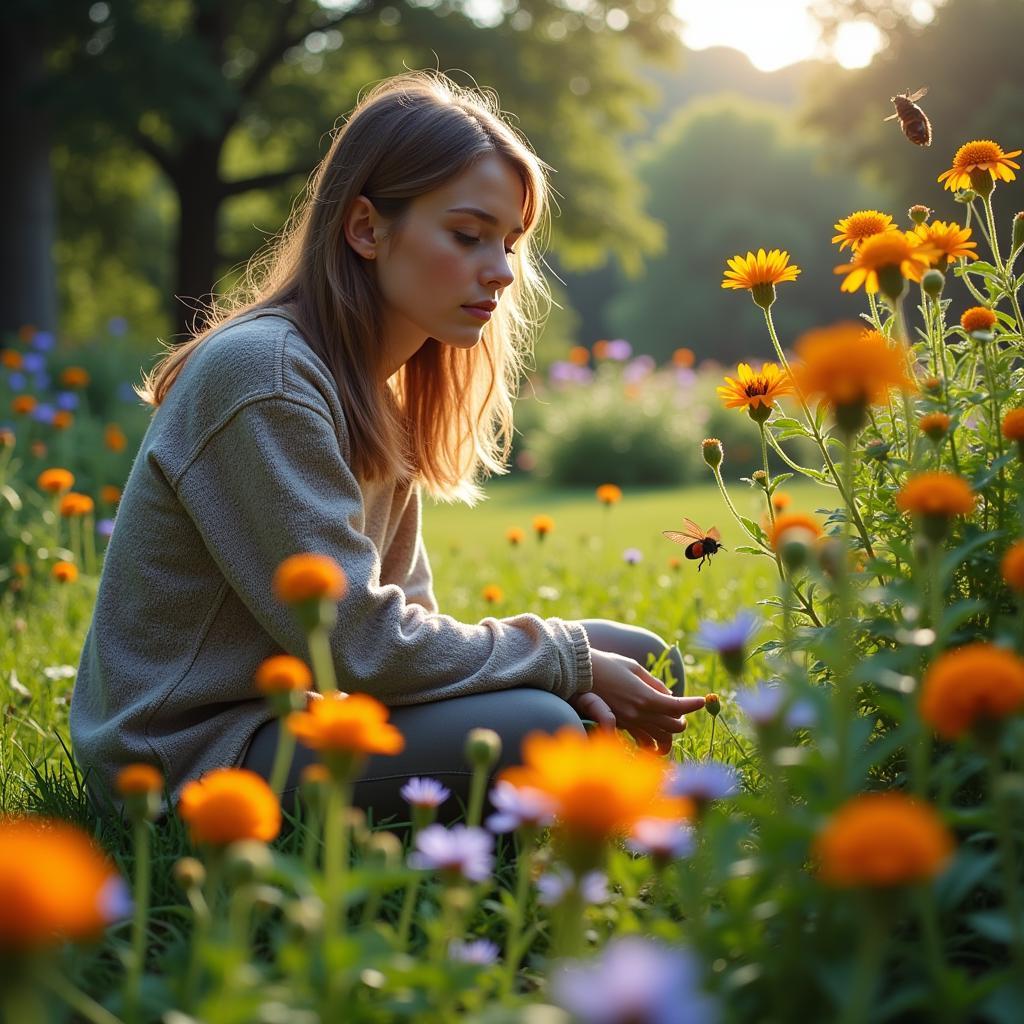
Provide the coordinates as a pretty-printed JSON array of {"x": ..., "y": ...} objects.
[{"x": 625, "y": 695}]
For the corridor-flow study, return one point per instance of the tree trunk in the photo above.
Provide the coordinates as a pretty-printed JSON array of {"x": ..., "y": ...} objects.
[
  {"x": 197, "y": 180},
  {"x": 28, "y": 293}
]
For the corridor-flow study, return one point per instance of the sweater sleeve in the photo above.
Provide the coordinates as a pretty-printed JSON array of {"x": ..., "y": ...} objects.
[{"x": 271, "y": 482}]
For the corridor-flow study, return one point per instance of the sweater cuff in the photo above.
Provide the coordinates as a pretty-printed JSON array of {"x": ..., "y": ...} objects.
[{"x": 583, "y": 675}]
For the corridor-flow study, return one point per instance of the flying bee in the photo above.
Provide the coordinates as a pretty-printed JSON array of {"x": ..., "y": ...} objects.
[
  {"x": 699, "y": 543},
  {"x": 913, "y": 120}
]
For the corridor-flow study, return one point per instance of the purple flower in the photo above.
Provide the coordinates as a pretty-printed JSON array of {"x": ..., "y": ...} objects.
[
  {"x": 519, "y": 806},
  {"x": 762, "y": 704},
  {"x": 115, "y": 899},
  {"x": 67, "y": 400},
  {"x": 619, "y": 350},
  {"x": 17, "y": 381},
  {"x": 634, "y": 980},
  {"x": 553, "y": 885},
  {"x": 801, "y": 715},
  {"x": 638, "y": 369},
  {"x": 727, "y": 637},
  {"x": 703, "y": 781},
  {"x": 117, "y": 325},
  {"x": 43, "y": 413},
  {"x": 461, "y": 851},
  {"x": 33, "y": 362},
  {"x": 424, "y": 793},
  {"x": 563, "y": 372},
  {"x": 684, "y": 376},
  {"x": 662, "y": 838},
  {"x": 105, "y": 527},
  {"x": 480, "y": 952},
  {"x": 43, "y": 341},
  {"x": 632, "y": 556}
]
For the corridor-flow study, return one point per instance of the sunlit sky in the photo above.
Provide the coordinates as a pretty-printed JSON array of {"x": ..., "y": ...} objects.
[{"x": 774, "y": 33}]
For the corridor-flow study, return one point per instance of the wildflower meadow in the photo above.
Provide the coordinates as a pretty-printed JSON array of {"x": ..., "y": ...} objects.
[{"x": 837, "y": 835}]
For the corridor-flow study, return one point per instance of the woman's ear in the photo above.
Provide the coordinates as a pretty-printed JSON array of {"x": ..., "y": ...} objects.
[{"x": 363, "y": 227}]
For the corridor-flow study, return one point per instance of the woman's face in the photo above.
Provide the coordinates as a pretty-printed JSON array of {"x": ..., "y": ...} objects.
[{"x": 447, "y": 263}]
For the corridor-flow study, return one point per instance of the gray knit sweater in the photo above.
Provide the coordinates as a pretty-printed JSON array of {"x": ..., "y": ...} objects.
[{"x": 247, "y": 461}]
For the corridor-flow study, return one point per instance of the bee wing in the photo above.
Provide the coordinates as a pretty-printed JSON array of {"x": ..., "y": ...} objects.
[
  {"x": 918, "y": 95},
  {"x": 714, "y": 534},
  {"x": 891, "y": 117},
  {"x": 675, "y": 535},
  {"x": 693, "y": 529}
]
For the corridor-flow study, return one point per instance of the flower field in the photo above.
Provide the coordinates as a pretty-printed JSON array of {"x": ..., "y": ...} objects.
[{"x": 837, "y": 835}]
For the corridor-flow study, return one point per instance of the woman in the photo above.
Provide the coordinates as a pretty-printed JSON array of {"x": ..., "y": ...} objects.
[{"x": 373, "y": 356}]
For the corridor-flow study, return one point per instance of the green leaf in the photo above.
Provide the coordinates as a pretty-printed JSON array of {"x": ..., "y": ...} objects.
[{"x": 749, "y": 549}]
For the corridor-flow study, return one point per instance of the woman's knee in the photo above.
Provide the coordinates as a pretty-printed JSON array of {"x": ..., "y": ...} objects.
[{"x": 637, "y": 643}]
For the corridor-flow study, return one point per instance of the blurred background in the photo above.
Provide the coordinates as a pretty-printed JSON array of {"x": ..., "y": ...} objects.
[{"x": 158, "y": 143}]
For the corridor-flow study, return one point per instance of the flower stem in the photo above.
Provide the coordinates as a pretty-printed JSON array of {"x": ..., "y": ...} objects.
[
  {"x": 133, "y": 978},
  {"x": 76, "y": 998},
  {"x": 993, "y": 237},
  {"x": 728, "y": 501},
  {"x": 336, "y": 833},
  {"x": 1008, "y": 857},
  {"x": 323, "y": 663},
  {"x": 283, "y": 757},
  {"x": 518, "y": 911},
  {"x": 997, "y": 431},
  {"x": 869, "y": 964}
]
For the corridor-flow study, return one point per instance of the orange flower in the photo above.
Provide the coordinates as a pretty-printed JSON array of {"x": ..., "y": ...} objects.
[
  {"x": 579, "y": 356},
  {"x": 11, "y": 358},
  {"x": 950, "y": 242},
  {"x": 543, "y": 525},
  {"x": 110, "y": 494},
  {"x": 1012, "y": 566},
  {"x": 64, "y": 572},
  {"x": 860, "y": 225},
  {"x": 315, "y": 775},
  {"x": 514, "y": 535},
  {"x": 114, "y": 438},
  {"x": 978, "y": 318},
  {"x": 883, "y": 839},
  {"x": 883, "y": 256},
  {"x": 600, "y": 786},
  {"x": 55, "y": 883},
  {"x": 600, "y": 349},
  {"x": 23, "y": 404},
  {"x": 675, "y": 563},
  {"x": 754, "y": 390},
  {"x": 972, "y": 685},
  {"x": 847, "y": 365},
  {"x": 74, "y": 377},
  {"x": 282, "y": 673},
  {"x": 7, "y": 438},
  {"x": 75, "y": 504},
  {"x": 493, "y": 594},
  {"x": 342, "y": 723},
  {"x": 609, "y": 494},
  {"x": 309, "y": 577},
  {"x": 760, "y": 274},
  {"x": 683, "y": 357},
  {"x": 936, "y": 494},
  {"x": 137, "y": 779},
  {"x": 229, "y": 804},
  {"x": 781, "y": 501},
  {"x": 62, "y": 419},
  {"x": 55, "y": 481},
  {"x": 935, "y": 425},
  {"x": 792, "y": 526},
  {"x": 1013, "y": 425},
  {"x": 38, "y": 449},
  {"x": 982, "y": 156}
]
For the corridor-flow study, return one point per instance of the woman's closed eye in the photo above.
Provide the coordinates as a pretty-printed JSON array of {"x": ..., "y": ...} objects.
[{"x": 472, "y": 240}]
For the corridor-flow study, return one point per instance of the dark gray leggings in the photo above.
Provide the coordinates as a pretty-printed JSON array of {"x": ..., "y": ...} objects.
[{"x": 435, "y": 733}]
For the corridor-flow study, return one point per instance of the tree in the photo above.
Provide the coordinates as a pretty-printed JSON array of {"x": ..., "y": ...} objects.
[{"x": 229, "y": 98}]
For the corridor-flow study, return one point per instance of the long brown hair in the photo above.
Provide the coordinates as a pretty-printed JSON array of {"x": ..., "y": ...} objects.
[{"x": 446, "y": 417}]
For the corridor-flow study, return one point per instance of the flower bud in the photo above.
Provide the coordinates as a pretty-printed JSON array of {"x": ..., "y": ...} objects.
[
  {"x": 483, "y": 748},
  {"x": 982, "y": 182},
  {"x": 712, "y": 704},
  {"x": 303, "y": 918},
  {"x": 711, "y": 449},
  {"x": 189, "y": 873},
  {"x": 932, "y": 386},
  {"x": 891, "y": 282},
  {"x": 760, "y": 477},
  {"x": 759, "y": 413},
  {"x": 1017, "y": 239},
  {"x": 248, "y": 861},
  {"x": 384, "y": 849},
  {"x": 933, "y": 282},
  {"x": 763, "y": 294},
  {"x": 877, "y": 451},
  {"x": 918, "y": 213}
]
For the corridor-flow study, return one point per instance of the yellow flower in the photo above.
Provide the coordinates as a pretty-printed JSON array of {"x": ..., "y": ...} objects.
[
  {"x": 753, "y": 390},
  {"x": 229, "y": 804},
  {"x": 1012, "y": 566},
  {"x": 543, "y": 525},
  {"x": 55, "y": 481},
  {"x": 347, "y": 724},
  {"x": 882, "y": 257},
  {"x": 55, "y": 883},
  {"x": 860, "y": 225},
  {"x": 950, "y": 241},
  {"x": 1013, "y": 425},
  {"x": 492, "y": 594},
  {"x": 982, "y": 155},
  {"x": 848, "y": 365},
  {"x": 972, "y": 685},
  {"x": 609, "y": 494},
  {"x": 600, "y": 786},
  {"x": 135, "y": 779},
  {"x": 307, "y": 577},
  {"x": 977, "y": 318},
  {"x": 882, "y": 839},
  {"x": 760, "y": 274},
  {"x": 283, "y": 673},
  {"x": 936, "y": 494},
  {"x": 64, "y": 572}
]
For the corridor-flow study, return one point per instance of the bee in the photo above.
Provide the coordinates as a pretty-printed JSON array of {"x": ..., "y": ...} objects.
[
  {"x": 699, "y": 543},
  {"x": 913, "y": 120}
]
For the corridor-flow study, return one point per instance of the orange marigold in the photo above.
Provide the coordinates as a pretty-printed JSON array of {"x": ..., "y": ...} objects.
[
  {"x": 950, "y": 242},
  {"x": 514, "y": 535},
  {"x": 23, "y": 404},
  {"x": 55, "y": 481},
  {"x": 493, "y": 594},
  {"x": 64, "y": 572},
  {"x": 1012, "y": 566},
  {"x": 74, "y": 377},
  {"x": 579, "y": 356},
  {"x": 283, "y": 673},
  {"x": 860, "y": 225},
  {"x": 760, "y": 274},
  {"x": 609, "y": 494},
  {"x": 110, "y": 494},
  {"x": 55, "y": 884},
  {"x": 62, "y": 420},
  {"x": 1013, "y": 425},
  {"x": 229, "y": 804},
  {"x": 543, "y": 525},
  {"x": 114, "y": 438},
  {"x": 891, "y": 252},
  {"x": 936, "y": 494},
  {"x": 781, "y": 501},
  {"x": 75, "y": 504},
  {"x": 346, "y": 724},
  {"x": 969, "y": 686},
  {"x": 134, "y": 779},
  {"x": 683, "y": 357},
  {"x": 791, "y": 525},
  {"x": 978, "y": 318},
  {"x": 935, "y": 425},
  {"x": 10, "y": 358},
  {"x": 308, "y": 577},
  {"x": 984, "y": 156},
  {"x": 882, "y": 839}
]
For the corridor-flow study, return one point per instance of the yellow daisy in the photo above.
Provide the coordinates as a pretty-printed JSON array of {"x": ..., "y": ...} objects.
[
  {"x": 890, "y": 253},
  {"x": 860, "y": 225},
  {"x": 979, "y": 156},
  {"x": 950, "y": 241},
  {"x": 753, "y": 390},
  {"x": 760, "y": 274}
]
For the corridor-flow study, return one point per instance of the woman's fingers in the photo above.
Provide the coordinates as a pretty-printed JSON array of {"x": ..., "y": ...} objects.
[{"x": 590, "y": 705}]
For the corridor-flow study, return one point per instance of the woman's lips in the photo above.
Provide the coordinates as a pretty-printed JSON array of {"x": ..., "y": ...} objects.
[{"x": 480, "y": 314}]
